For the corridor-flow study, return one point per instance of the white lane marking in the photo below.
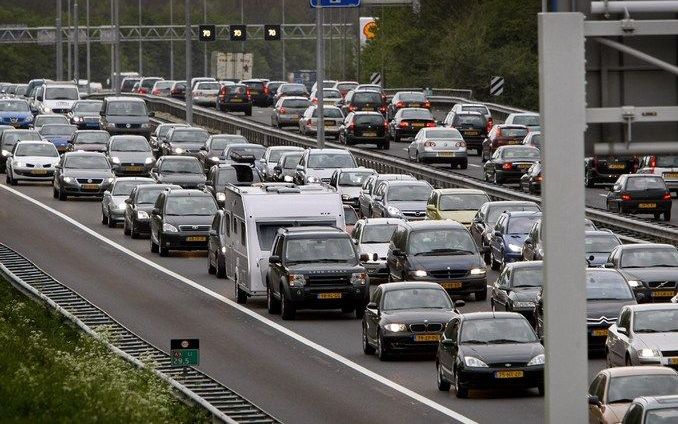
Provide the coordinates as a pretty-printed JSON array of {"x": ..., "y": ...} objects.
[
  {"x": 474, "y": 165},
  {"x": 298, "y": 337},
  {"x": 602, "y": 194}
]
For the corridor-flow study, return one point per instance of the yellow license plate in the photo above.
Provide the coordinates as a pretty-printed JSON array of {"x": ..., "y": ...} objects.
[
  {"x": 471, "y": 133},
  {"x": 673, "y": 361},
  {"x": 514, "y": 142},
  {"x": 39, "y": 172},
  {"x": 329, "y": 123},
  {"x": 134, "y": 168},
  {"x": 415, "y": 105},
  {"x": 368, "y": 109},
  {"x": 663, "y": 293},
  {"x": 599, "y": 333},
  {"x": 616, "y": 166},
  {"x": 90, "y": 186},
  {"x": 426, "y": 338},
  {"x": 254, "y": 93},
  {"x": 647, "y": 205},
  {"x": 369, "y": 134},
  {"x": 446, "y": 154},
  {"x": 418, "y": 124},
  {"x": 525, "y": 166},
  {"x": 509, "y": 374},
  {"x": 329, "y": 295},
  {"x": 671, "y": 175},
  {"x": 196, "y": 238},
  {"x": 236, "y": 100},
  {"x": 451, "y": 285}
]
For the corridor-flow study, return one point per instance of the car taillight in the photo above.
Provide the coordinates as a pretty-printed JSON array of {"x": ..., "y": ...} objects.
[
  {"x": 400, "y": 104},
  {"x": 267, "y": 91},
  {"x": 404, "y": 124},
  {"x": 143, "y": 90},
  {"x": 490, "y": 123},
  {"x": 499, "y": 133},
  {"x": 429, "y": 144},
  {"x": 247, "y": 92},
  {"x": 314, "y": 101},
  {"x": 385, "y": 124},
  {"x": 461, "y": 144},
  {"x": 507, "y": 166},
  {"x": 156, "y": 92},
  {"x": 382, "y": 108},
  {"x": 352, "y": 108},
  {"x": 283, "y": 111},
  {"x": 653, "y": 162},
  {"x": 427, "y": 104},
  {"x": 626, "y": 197},
  {"x": 540, "y": 178},
  {"x": 667, "y": 196},
  {"x": 430, "y": 124},
  {"x": 309, "y": 121},
  {"x": 351, "y": 127}
]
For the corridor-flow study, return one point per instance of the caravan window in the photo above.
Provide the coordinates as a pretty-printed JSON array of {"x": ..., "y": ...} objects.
[
  {"x": 243, "y": 234},
  {"x": 227, "y": 224}
]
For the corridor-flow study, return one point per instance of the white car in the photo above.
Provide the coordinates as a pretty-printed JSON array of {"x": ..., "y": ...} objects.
[
  {"x": 439, "y": 145},
  {"x": 664, "y": 166},
  {"x": 32, "y": 161},
  {"x": 56, "y": 98},
  {"x": 529, "y": 119}
]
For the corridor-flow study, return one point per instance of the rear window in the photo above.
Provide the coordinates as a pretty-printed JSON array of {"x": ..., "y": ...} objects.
[
  {"x": 329, "y": 113},
  {"x": 417, "y": 114},
  {"x": 449, "y": 133},
  {"x": 513, "y": 132},
  {"x": 481, "y": 109},
  {"x": 346, "y": 86},
  {"x": 369, "y": 119},
  {"x": 129, "y": 83},
  {"x": 518, "y": 153},
  {"x": 163, "y": 85},
  {"x": 236, "y": 89},
  {"x": 667, "y": 161},
  {"x": 367, "y": 97},
  {"x": 412, "y": 97},
  {"x": 470, "y": 120},
  {"x": 288, "y": 88},
  {"x": 255, "y": 84},
  {"x": 645, "y": 183},
  {"x": 529, "y": 120},
  {"x": 148, "y": 83},
  {"x": 208, "y": 86},
  {"x": 296, "y": 103}
]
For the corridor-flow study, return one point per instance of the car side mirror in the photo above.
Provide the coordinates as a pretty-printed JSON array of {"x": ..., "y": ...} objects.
[
  {"x": 364, "y": 257},
  {"x": 39, "y": 98},
  {"x": 300, "y": 168},
  {"x": 155, "y": 211},
  {"x": 274, "y": 259},
  {"x": 448, "y": 342},
  {"x": 608, "y": 265},
  {"x": 151, "y": 114},
  {"x": 640, "y": 297},
  {"x": 398, "y": 253},
  {"x": 203, "y": 148},
  {"x": 431, "y": 208},
  {"x": 459, "y": 303},
  {"x": 593, "y": 400},
  {"x": 102, "y": 113},
  {"x": 277, "y": 168},
  {"x": 213, "y": 232},
  {"x": 622, "y": 330},
  {"x": 373, "y": 306},
  {"x": 378, "y": 198},
  {"x": 201, "y": 186},
  {"x": 107, "y": 193},
  {"x": 497, "y": 233}
]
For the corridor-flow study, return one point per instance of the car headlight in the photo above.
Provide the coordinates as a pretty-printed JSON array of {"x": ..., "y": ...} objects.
[
  {"x": 46, "y": 109},
  {"x": 635, "y": 283},
  {"x": 514, "y": 247},
  {"x": 77, "y": 119},
  {"x": 142, "y": 215},
  {"x": 178, "y": 150},
  {"x": 69, "y": 180},
  {"x": 221, "y": 197},
  {"x": 5, "y": 153},
  {"x": 223, "y": 249},
  {"x": 478, "y": 271},
  {"x": 345, "y": 197},
  {"x": 149, "y": 160},
  {"x": 358, "y": 278},
  {"x": 537, "y": 360},
  {"x": 19, "y": 164},
  {"x": 115, "y": 159},
  {"x": 110, "y": 125},
  {"x": 471, "y": 361},
  {"x": 29, "y": 118},
  {"x": 396, "y": 328},
  {"x": 419, "y": 273},
  {"x": 296, "y": 280},
  {"x": 392, "y": 210},
  {"x": 145, "y": 125},
  {"x": 288, "y": 179},
  {"x": 648, "y": 353},
  {"x": 311, "y": 179},
  {"x": 523, "y": 304},
  {"x": 169, "y": 228},
  {"x": 110, "y": 180},
  {"x": 214, "y": 158}
]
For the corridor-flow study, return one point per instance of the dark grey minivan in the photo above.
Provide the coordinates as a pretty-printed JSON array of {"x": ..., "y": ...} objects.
[{"x": 126, "y": 115}]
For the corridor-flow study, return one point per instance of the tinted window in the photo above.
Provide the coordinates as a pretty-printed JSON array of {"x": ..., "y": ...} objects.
[
  {"x": 366, "y": 97},
  {"x": 417, "y": 114},
  {"x": 607, "y": 285},
  {"x": 32, "y": 149},
  {"x": 645, "y": 183},
  {"x": 601, "y": 244},
  {"x": 650, "y": 257},
  {"x": 296, "y": 103},
  {"x": 521, "y": 224},
  {"x": 331, "y": 160},
  {"x": 316, "y": 249},
  {"x": 379, "y": 233},
  {"x": 476, "y": 120},
  {"x": 190, "y": 205},
  {"x": 238, "y": 175},
  {"x": 86, "y": 162},
  {"x": 627, "y": 388},
  {"x": 412, "y": 97},
  {"x": 93, "y": 107},
  {"x": 130, "y": 145},
  {"x": 126, "y": 109},
  {"x": 181, "y": 166},
  {"x": 368, "y": 119},
  {"x": 14, "y": 106},
  {"x": 491, "y": 330},
  {"x": 463, "y": 202},
  {"x": 253, "y": 150},
  {"x": 255, "y": 84},
  {"x": 529, "y": 120},
  {"x": 527, "y": 277},
  {"x": 439, "y": 242},
  {"x": 416, "y": 299},
  {"x": 61, "y": 93},
  {"x": 189, "y": 136},
  {"x": 409, "y": 193},
  {"x": 148, "y": 82},
  {"x": 329, "y": 112},
  {"x": 448, "y": 133}
]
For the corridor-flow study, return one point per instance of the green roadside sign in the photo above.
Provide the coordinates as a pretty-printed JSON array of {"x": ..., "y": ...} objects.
[{"x": 185, "y": 352}]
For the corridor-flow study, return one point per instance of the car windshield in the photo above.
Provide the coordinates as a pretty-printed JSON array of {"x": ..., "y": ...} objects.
[
  {"x": 148, "y": 196},
  {"x": 409, "y": 193},
  {"x": 41, "y": 120},
  {"x": 366, "y": 97},
  {"x": 36, "y": 149},
  {"x": 86, "y": 162},
  {"x": 350, "y": 216},
  {"x": 331, "y": 160},
  {"x": 268, "y": 230},
  {"x": 296, "y": 103},
  {"x": 440, "y": 242},
  {"x": 446, "y": 133},
  {"x": 333, "y": 249},
  {"x": 288, "y": 88},
  {"x": 475, "y": 120},
  {"x": 353, "y": 178},
  {"x": 527, "y": 120},
  {"x": 667, "y": 161},
  {"x": 527, "y": 277},
  {"x": 645, "y": 183},
  {"x": 417, "y": 114},
  {"x": 656, "y": 321},
  {"x": 214, "y": 86},
  {"x": 521, "y": 224},
  {"x": 462, "y": 202},
  {"x": 662, "y": 416},
  {"x": 93, "y": 107},
  {"x": 412, "y": 97},
  {"x": 61, "y": 93},
  {"x": 521, "y": 153},
  {"x": 127, "y": 84},
  {"x": 10, "y": 138},
  {"x": 274, "y": 155},
  {"x": 469, "y": 108},
  {"x": 191, "y": 205},
  {"x": 514, "y": 132},
  {"x": 124, "y": 188},
  {"x": 14, "y": 106},
  {"x": 624, "y": 389},
  {"x": 416, "y": 298},
  {"x": 21, "y": 90},
  {"x": 497, "y": 330},
  {"x": 255, "y": 150},
  {"x": 650, "y": 257},
  {"x": 126, "y": 109},
  {"x": 291, "y": 161},
  {"x": 189, "y": 136},
  {"x": 181, "y": 166},
  {"x": 369, "y": 119},
  {"x": 329, "y": 112},
  {"x": 92, "y": 138},
  {"x": 377, "y": 233},
  {"x": 495, "y": 211},
  {"x": 130, "y": 145},
  {"x": 221, "y": 142},
  {"x": 601, "y": 244},
  {"x": 606, "y": 286},
  {"x": 57, "y": 129}
]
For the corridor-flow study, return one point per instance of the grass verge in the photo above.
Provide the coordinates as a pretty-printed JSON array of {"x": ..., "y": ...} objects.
[{"x": 51, "y": 372}]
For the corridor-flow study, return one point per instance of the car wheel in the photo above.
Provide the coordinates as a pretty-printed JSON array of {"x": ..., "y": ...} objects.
[
  {"x": 221, "y": 267},
  {"x": 667, "y": 216},
  {"x": 55, "y": 194},
  {"x": 382, "y": 352},
  {"x": 210, "y": 268},
  {"x": 486, "y": 256},
  {"x": 240, "y": 295},
  {"x": 162, "y": 249},
  {"x": 133, "y": 231},
  {"x": 62, "y": 195},
  {"x": 481, "y": 295},
  {"x": 461, "y": 392},
  {"x": 154, "y": 247},
  {"x": 104, "y": 218},
  {"x": 464, "y": 164},
  {"x": 627, "y": 361},
  {"x": 493, "y": 262},
  {"x": 385, "y": 145},
  {"x": 657, "y": 216},
  {"x": 359, "y": 311},
  {"x": 496, "y": 179},
  {"x": 287, "y": 310},
  {"x": 272, "y": 304},
  {"x": 443, "y": 385},
  {"x": 541, "y": 389},
  {"x": 367, "y": 347},
  {"x": 125, "y": 228}
]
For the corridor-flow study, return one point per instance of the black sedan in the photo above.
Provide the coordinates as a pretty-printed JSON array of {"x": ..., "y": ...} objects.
[
  {"x": 185, "y": 171},
  {"x": 406, "y": 317},
  {"x": 215, "y": 145},
  {"x": 531, "y": 181},
  {"x": 640, "y": 194},
  {"x": 365, "y": 128},
  {"x": 517, "y": 288},
  {"x": 138, "y": 207},
  {"x": 509, "y": 163},
  {"x": 488, "y": 350},
  {"x": 403, "y": 99},
  {"x": 85, "y": 114},
  {"x": 407, "y": 123},
  {"x": 82, "y": 174}
]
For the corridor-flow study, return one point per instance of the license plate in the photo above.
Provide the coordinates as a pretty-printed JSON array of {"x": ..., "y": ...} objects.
[
  {"x": 329, "y": 123},
  {"x": 671, "y": 175},
  {"x": 426, "y": 338},
  {"x": 525, "y": 166},
  {"x": 134, "y": 168},
  {"x": 599, "y": 333},
  {"x": 509, "y": 374},
  {"x": 514, "y": 142},
  {"x": 196, "y": 238},
  {"x": 254, "y": 93},
  {"x": 673, "y": 361},
  {"x": 471, "y": 133},
  {"x": 647, "y": 205},
  {"x": 90, "y": 186},
  {"x": 39, "y": 172},
  {"x": 418, "y": 124},
  {"x": 368, "y": 109},
  {"x": 329, "y": 295},
  {"x": 451, "y": 285},
  {"x": 236, "y": 100},
  {"x": 446, "y": 154},
  {"x": 616, "y": 166},
  {"x": 414, "y": 105},
  {"x": 663, "y": 293},
  {"x": 369, "y": 134}
]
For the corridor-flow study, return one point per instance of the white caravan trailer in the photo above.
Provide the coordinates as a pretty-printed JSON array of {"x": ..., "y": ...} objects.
[{"x": 253, "y": 216}]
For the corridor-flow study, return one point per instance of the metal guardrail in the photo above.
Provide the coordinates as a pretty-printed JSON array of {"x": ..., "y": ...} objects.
[
  {"x": 629, "y": 229},
  {"x": 223, "y": 404}
]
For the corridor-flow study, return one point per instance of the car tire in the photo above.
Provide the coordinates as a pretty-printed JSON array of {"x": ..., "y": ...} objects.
[
  {"x": 396, "y": 138},
  {"x": 461, "y": 392},
  {"x": 657, "y": 216},
  {"x": 287, "y": 309},
  {"x": 368, "y": 349},
  {"x": 104, "y": 218},
  {"x": 111, "y": 223},
  {"x": 494, "y": 265},
  {"x": 55, "y": 193},
  {"x": 385, "y": 145},
  {"x": 221, "y": 267},
  {"x": 133, "y": 231},
  {"x": 210, "y": 268},
  {"x": 272, "y": 304},
  {"x": 443, "y": 385},
  {"x": 154, "y": 247},
  {"x": 588, "y": 180},
  {"x": 481, "y": 295},
  {"x": 164, "y": 252},
  {"x": 125, "y": 228},
  {"x": 541, "y": 389},
  {"x": 382, "y": 352},
  {"x": 464, "y": 164},
  {"x": 248, "y": 112},
  {"x": 359, "y": 311},
  {"x": 347, "y": 309},
  {"x": 486, "y": 257},
  {"x": 62, "y": 195},
  {"x": 497, "y": 180},
  {"x": 667, "y": 216},
  {"x": 240, "y": 295}
]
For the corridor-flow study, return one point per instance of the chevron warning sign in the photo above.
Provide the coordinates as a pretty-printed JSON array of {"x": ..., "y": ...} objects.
[{"x": 497, "y": 86}]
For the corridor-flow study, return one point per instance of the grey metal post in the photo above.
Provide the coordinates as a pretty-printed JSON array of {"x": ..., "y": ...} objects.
[
  {"x": 117, "y": 47},
  {"x": 89, "y": 67},
  {"x": 59, "y": 44},
  {"x": 204, "y": 45},
  {"x": 171, "y": 40},
  {"x": 76, "y": 42},
  {"x": 320, "y": 75},
  {"x": 242, "y": 20},
  {"x": 330, "y": 18},
  {"x": 282, "y": 36},
  {"x": 561, "y": 87},
  {"x": 112, "y": 79},
  {"x": 68, "y": 42},
  {"x": 141, "y": 51},
  {"x": 189, "y": 57}
]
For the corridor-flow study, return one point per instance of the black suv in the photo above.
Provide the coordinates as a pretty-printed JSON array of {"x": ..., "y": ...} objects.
[
  {"x": 441, "y": 252},
  {"x": 598, "y": 170},
  {"x": 235, "y": 98},
  {"x": 365, "y": 128},
  {"x": 471, "y": 125},
  {"x": 318, "y": 268},
  {"x": 181, "y": 220},
  {"x": 138, "y": 207}
]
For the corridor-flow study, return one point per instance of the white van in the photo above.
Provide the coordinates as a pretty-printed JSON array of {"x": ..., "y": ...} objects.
[
  {"x": 56, "y": 98},
  {"x": 252, "y": 216}
]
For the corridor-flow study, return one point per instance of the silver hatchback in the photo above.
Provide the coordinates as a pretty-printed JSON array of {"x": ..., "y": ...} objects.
[
  {"x": 288, "y": 110},
  {"x": 439, "y": 145}
]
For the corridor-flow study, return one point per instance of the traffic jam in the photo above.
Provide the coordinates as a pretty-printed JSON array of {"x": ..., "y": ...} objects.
[{"x": 308, "y": 229}]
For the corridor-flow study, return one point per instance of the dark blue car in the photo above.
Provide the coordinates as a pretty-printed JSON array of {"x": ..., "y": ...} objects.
[
  {"x": 59, "y": 134},
  {"x": 15, "y": 112},
  {"x": 506, "y": 243}
]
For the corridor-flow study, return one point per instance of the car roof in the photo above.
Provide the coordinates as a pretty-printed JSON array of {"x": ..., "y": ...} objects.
[
  {"x": 357, "y": 169},
  {"x": 290, "y": 148},
  {"x": 179, "y": 157},
  {"x": 644, "y": 370},
  {"x": 600, "y": 233},
  {"x": 395, "y": 177},
  {"x": 365, "y": 112},
  {"x": 406, "y": 182},
  {"x": 641, "y": 246},
  {"x": 190, "y": 192},
  {"x": 410, "y": 285},
  {"x": 653, "y": 306},
  {"x": 34, "y": 142},
  {"x": 427, "y": 224},
  {"x": 119, "y": 179},
  {"x": 154, "y": 185},
  {"x": 328, "y": 150},
  {"x": 524, "y": 264},
  {"x": 657, "y": 402},
  {"x": 500, "y": 203},
  {"x": 469, "y": 112},
  {"x": 316, "y": 229},
  {"x": 382, "y": 221},
  {"x": 82, "y": 153},
  {"x": 286, "y": 98},
  {"x": 124, "y": 99},
  {"x": 512, "y": 214},
  {"x": 494, "y": 315},
  {"x": 458, "y": 191},
  {"x": 518, "y": 126}
]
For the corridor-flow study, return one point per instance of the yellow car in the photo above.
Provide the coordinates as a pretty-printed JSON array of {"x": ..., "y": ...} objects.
[{"x": 458, "y": 204}]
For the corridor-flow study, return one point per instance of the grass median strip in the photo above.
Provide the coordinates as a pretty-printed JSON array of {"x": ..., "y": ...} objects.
[{"x": 51, "y": 372}]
